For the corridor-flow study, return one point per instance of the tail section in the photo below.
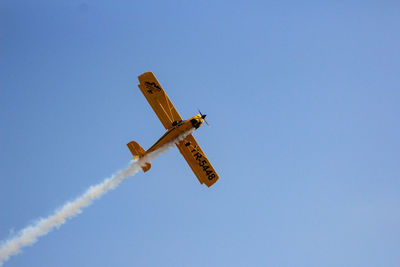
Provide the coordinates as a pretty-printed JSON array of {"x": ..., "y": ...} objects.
[{"x": 138, "y": 152}]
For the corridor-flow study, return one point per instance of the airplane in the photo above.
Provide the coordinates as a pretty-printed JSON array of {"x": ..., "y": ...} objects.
[{"x": 175, "y": 127}]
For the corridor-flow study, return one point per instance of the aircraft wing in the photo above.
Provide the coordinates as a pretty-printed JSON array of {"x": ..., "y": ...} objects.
[
  {"x": 197, "y": 161},
  {"x": 158, "y": 99}
]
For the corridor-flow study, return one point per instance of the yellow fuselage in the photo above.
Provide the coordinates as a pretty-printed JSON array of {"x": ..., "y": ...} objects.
[{"x": 178, "y": 129}]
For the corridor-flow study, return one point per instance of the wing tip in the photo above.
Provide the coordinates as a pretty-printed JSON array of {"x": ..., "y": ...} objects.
[
  {"x": 209, "y": 183},
  {"x": 146, "y": 75}
]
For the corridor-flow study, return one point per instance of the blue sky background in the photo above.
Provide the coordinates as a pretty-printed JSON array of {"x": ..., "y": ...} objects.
[{"x": 303, "y": 101}]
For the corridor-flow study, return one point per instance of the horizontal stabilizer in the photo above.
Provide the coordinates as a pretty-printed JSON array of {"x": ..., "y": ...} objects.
[{"x": 146, "y": 167}]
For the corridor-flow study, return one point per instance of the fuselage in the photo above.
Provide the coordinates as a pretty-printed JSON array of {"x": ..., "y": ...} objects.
[{"x": 178, "y": 128}]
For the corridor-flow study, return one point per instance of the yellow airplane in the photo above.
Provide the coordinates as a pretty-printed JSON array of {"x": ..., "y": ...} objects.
[{"x": 175, "y": 127}]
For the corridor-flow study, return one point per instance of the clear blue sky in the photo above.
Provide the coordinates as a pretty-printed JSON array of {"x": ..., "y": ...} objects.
[{"x": 303, "y": 101}]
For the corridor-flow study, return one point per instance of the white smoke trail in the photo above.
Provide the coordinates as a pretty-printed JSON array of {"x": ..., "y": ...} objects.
[{"x": 30, "y": 234}]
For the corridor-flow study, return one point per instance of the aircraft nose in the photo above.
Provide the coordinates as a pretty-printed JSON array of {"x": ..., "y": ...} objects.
[{"x": 203, "y": 116}]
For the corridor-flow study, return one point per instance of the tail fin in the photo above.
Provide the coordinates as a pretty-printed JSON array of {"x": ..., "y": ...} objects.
[{"x": 137, "y": 152}]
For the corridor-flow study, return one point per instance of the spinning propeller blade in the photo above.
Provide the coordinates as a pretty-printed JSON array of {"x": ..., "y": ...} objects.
[{"x": 203, "y": 116}]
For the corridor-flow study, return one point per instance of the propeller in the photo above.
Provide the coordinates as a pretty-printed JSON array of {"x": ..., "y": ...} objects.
[{"x": 203, "y": 116}]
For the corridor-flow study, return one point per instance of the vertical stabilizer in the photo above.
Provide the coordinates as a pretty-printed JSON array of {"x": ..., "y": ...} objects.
[{"x": 138, "y": 152}]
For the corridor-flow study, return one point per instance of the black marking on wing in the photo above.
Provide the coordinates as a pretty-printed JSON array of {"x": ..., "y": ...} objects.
[{"x": 152, "y": 87}]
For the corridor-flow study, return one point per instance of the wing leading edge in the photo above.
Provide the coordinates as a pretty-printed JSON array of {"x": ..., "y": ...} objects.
[
  {"x": 197, "y": 161},
  {"x": 158, "y": 99}
]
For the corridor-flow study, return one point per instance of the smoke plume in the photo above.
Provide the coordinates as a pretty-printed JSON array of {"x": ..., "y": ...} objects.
[{"x": 30, "y": 234}]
